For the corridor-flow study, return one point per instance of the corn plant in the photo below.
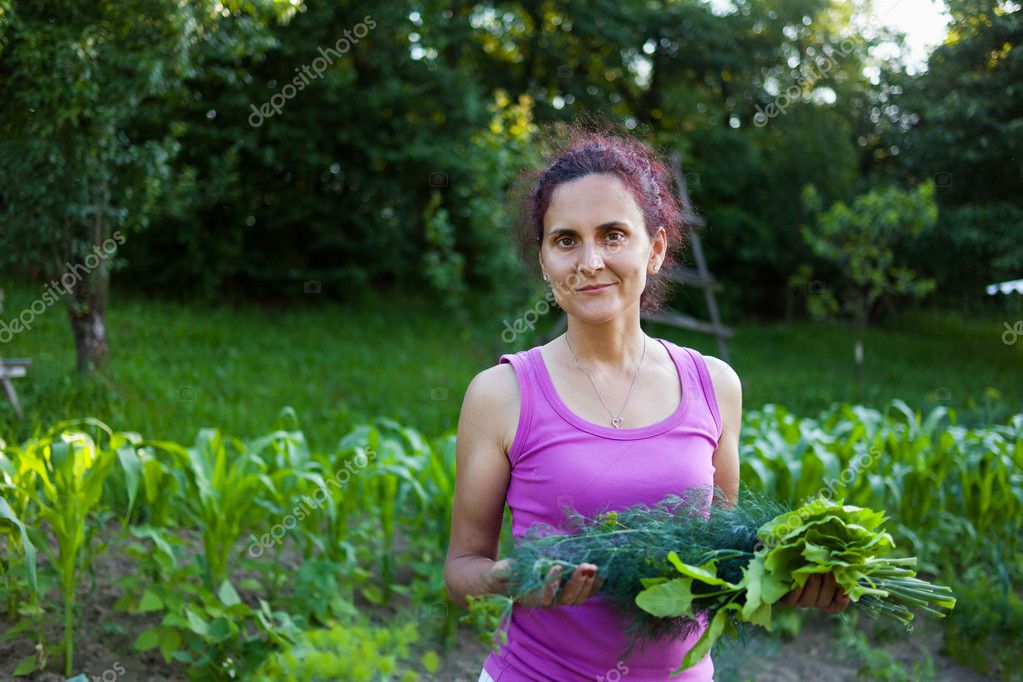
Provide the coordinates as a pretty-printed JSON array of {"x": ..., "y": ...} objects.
[
  {"x": 66, "y": 470},
  {"x": 301, "y": 495},
  {"x": 940, "y": 481},
  {"x": 222, "y": 486},
  {"x": 149, "y": 485},
  {"x": 389, "y": 485},
  {"x": 20, "y": 550},
  {"x": 437, "y": 476},
  {"x": 339, "y": 468}
]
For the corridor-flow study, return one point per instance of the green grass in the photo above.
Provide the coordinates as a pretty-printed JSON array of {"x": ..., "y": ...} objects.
[
  {"x": 178, "y": 367},
  {"x": 925, "y": 358}
]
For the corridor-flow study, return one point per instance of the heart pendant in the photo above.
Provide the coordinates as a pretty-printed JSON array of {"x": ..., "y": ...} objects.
[{"x": 617, "y": 422}]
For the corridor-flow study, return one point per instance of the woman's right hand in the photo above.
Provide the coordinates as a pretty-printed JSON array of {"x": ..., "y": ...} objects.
[{"x": 583, "y": 584}]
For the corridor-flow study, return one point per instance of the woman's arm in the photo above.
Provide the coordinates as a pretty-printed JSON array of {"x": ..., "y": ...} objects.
[
  {"x": 481, "y": 486},
  {"x": 481, "y": 483},
  {"x": 728, "y": 390}
]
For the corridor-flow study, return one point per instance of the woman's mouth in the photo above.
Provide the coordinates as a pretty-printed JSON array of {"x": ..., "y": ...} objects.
[{"x": 594, "y": 289}]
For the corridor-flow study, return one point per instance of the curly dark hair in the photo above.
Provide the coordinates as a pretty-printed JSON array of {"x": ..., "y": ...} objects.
[{"x": 579, "y": 149}]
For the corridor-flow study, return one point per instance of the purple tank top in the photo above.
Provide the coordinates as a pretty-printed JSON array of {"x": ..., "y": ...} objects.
[{"x": 559, "y": 458}]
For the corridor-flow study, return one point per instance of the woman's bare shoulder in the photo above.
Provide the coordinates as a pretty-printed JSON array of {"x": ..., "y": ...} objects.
[
  {"x": 727, "y": 387},
  {"x": 492, "y": 402}
]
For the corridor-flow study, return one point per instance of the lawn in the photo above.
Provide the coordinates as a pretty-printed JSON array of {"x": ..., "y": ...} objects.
[{"x": 179, "y": 367}]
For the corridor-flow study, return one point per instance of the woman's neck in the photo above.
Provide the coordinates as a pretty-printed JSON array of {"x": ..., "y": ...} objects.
[{"x": 612, "y": 345}]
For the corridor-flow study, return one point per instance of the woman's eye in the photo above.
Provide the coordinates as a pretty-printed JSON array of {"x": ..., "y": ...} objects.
[
  {"x": 563, "y": 239},
  {"x": 620, "y": 234}
]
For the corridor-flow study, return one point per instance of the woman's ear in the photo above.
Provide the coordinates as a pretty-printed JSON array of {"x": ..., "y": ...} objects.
[{"x": 658, "y": 250}]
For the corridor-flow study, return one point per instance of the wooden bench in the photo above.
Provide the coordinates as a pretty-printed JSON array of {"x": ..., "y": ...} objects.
[{"x": 12, "y": 368}]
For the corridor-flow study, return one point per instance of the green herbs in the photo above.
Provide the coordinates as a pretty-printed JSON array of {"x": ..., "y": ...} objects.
[
  {"x": 819, "y": 537},
  {"x": 630, "y": 545},
  {"x": 698, "y": 555}
]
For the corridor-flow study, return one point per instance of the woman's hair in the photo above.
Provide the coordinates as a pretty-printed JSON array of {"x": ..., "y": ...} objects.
[{"x": 577, "y": 150}]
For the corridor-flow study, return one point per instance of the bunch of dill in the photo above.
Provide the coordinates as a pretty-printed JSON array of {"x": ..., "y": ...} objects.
[{"x": 628, "y": 545}]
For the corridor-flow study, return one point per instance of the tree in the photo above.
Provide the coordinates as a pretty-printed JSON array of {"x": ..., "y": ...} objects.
[
  {"x": 961, "y": 123},
  {"x": 82, "y": 160},
  {"x": 862, "y": 241}
]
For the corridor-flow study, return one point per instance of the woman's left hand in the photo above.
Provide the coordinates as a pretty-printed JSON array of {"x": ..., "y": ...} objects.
[{"x": 819, "y": 591}]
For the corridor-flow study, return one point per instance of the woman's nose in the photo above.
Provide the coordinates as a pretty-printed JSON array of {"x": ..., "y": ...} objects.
[{"x": 592, "y": 259}]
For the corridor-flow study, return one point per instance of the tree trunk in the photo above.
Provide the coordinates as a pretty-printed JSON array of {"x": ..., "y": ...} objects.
[
  {"x": 87, "y": 312},
  {"x": 87, "y": 302}
]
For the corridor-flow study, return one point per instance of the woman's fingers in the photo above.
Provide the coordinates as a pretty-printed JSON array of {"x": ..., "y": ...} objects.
[
  {"x": 827, "y": 594},
  {"x": 792, "y": 597},
  {"x": 810, "y": 591},
  {"x": 578, "y": 588},
  {"x": 583, "y": 583},
  {"x": 840, "y": 603},
  {"x": 550, "y": 590}
]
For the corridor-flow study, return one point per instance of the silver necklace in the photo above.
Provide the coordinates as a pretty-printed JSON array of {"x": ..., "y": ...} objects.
[{"x": 616, "y": 422}]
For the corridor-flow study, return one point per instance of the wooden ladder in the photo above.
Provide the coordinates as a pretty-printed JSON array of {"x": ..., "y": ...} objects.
[{"x": 699, "y": 277}]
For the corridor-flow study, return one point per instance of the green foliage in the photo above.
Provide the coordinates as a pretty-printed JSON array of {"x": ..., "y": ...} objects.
[
  {"x": 17, "y": 541},
  {"x": 353, "y": 652},
  {"x": 140, "y": 123},
  {"x": 71, "y": 178},
  {"x": 958, "y": 123},
  {"x": 875, "y": 663},
  {"x": 349, "y": 165},
  {"x": 987, "y": 625},
  {"x": 487, "y": 616},
  {"x": 221, "y": 481},
  {"x": 215, "y": 633},
  {"x": 944, "y": 484},
  {"x": 444, "y": 266},
  {"x": 861, "y": 240},
  {"x": 78, "y": 74}
]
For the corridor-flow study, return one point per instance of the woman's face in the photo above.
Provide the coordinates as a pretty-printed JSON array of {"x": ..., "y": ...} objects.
[{"x": 594, "y": 234}]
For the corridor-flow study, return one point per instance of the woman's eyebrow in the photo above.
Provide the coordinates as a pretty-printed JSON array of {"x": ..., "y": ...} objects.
[{"x": 603, "y": 226}]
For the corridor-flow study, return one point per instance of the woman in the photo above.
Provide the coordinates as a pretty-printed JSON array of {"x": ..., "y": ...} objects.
[{"x": 602, "y": 417}]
